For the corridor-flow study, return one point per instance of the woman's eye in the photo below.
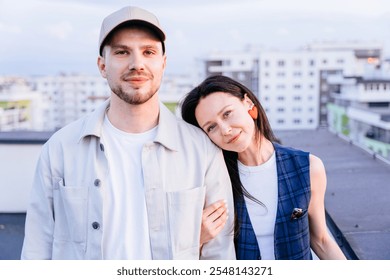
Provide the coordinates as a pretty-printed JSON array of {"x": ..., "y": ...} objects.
[
  {"x": 227, "y": 113},
  {"x": 210, "y": 128}
]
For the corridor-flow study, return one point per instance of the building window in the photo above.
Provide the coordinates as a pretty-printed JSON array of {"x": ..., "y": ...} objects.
[
  {"x": 280, "y": 74},
  {"x": 297, "y": 74},
  {"x": 241, "y": 76},
  {"x": 297, "y": 98},
  {"x": 280, "y": 121},
  {"x": 297, "y": 62},
  {"x": 280, "y": 110},
  {"x": 311, "y": 62},
  {"x": 297, "y": 86},
  {"x": 378, "y": 104},
  {"x": 297, "y": 121},
  {"x": 280, "y": 98},
  {"x": 297, "y": 109},
  {"x": 266, "y": 63},
  {"x": 281, "y": 63}
]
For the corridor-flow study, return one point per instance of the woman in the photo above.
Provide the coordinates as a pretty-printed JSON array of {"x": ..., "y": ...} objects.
[{"x": 278, "y": 191}]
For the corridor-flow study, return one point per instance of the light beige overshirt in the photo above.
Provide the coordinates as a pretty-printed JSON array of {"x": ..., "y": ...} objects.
[{"x": 183, "y": 172}]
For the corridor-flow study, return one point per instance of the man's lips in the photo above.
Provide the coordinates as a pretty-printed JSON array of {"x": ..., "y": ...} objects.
[{"x": 136, "y": 79}]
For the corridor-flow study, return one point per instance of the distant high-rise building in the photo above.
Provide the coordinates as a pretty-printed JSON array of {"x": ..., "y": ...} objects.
[
  {"x": 292, "y": 85},
  {"x": 361, "y": 111},
  {"x": 21, "y": 108},
  {"x": 69, "y": 97}
]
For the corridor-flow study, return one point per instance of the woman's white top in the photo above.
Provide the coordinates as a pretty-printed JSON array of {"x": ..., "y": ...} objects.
[{"x": 262, "y": 183}]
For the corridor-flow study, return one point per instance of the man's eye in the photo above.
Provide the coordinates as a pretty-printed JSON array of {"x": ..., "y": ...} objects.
[{"x": 149, "y": 52}]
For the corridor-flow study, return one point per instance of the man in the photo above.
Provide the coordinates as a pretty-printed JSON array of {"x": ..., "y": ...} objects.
[{"x": 130, "y": 180}]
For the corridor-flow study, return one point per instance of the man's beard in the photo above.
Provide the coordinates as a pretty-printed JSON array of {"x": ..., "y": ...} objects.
[{"x": 133, "y": 99}]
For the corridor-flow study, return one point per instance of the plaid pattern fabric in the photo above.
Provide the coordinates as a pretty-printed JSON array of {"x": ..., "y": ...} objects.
[{"x": 292, "y": 238}]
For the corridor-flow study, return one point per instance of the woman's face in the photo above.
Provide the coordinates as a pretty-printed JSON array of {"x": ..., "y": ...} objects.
[{"x": 226, "y": 120}]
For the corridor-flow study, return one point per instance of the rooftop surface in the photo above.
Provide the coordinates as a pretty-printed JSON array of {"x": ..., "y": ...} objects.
[
  {"x": 357, "y": 197},
  {"x": 358, "y": 190}
]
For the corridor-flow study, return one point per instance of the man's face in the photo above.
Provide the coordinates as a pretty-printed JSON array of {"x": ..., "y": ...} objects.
[{"x": 133, "y": 64}]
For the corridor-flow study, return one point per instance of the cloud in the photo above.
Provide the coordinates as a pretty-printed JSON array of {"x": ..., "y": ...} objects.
[
  {"x": 61, "y": 30},
  {"x": 12, "y": 29},
  {"x": 193, "y": 28},
  {"x": 282, "y": 31}
]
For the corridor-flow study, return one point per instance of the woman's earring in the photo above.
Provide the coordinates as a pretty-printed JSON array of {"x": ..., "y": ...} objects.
[{"x": 253, "y": 112}]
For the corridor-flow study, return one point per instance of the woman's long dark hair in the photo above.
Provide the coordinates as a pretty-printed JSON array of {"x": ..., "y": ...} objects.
[{"x": 227, "y": 85}]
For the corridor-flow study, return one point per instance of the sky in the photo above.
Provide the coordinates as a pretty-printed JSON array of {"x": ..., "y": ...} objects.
[{"x": 47, "y": 37}]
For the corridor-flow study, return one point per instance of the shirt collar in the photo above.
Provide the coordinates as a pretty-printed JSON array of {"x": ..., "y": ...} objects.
[
  {"x": 94, "y": 122},
  {"x": 167, "y": 131}
]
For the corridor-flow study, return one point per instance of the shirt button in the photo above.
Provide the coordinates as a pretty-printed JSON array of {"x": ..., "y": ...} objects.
[
  {"x": 97, "y": 183},
  {"x": 95, "y": 225}
]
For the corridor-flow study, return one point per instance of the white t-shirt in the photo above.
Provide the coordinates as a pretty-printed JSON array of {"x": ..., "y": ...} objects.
[
  {"x": 126, "y": 231},
  {"x": 262, "y": 183}
]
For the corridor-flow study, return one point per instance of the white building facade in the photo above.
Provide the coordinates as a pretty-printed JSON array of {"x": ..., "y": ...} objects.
[
  {"x": 361, "y": 112},
  {"x": 21, "y": 108},
  {"x": 69, "y": 97},
  {"x": 292, "y": 86}
]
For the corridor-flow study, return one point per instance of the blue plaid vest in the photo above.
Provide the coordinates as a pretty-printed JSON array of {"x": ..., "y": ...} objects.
[{"x": 292, "y": 238}]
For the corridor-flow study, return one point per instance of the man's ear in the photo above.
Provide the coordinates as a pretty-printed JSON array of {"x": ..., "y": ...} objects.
[
  {"x": 101, "y": 63},
  {"x": 165, "y": 62}
]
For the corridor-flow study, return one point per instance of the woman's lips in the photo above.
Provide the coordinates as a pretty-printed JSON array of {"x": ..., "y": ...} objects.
[{"x": 234, "y": 138}]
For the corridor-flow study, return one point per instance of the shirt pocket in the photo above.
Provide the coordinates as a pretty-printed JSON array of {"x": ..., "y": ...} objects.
[
  {"x": 185, "y": 217},
  {"x": 71, "y": 213}
]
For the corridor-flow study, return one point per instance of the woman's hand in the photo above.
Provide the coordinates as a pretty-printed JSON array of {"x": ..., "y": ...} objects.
[{"x": 213, "y": 220}]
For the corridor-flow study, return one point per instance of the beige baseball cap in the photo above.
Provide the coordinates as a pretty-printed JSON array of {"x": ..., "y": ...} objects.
[{"x": 130, "y": 14}]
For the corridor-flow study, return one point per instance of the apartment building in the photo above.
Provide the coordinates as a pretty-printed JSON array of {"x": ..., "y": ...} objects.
[
  {"x": 242, "y": 66},
  {"x": 361, "y": 111},
  {"x": 292, "y": 85},
  {"x": 69, "y": 97},
  {"x": 21, "y": 108}
]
